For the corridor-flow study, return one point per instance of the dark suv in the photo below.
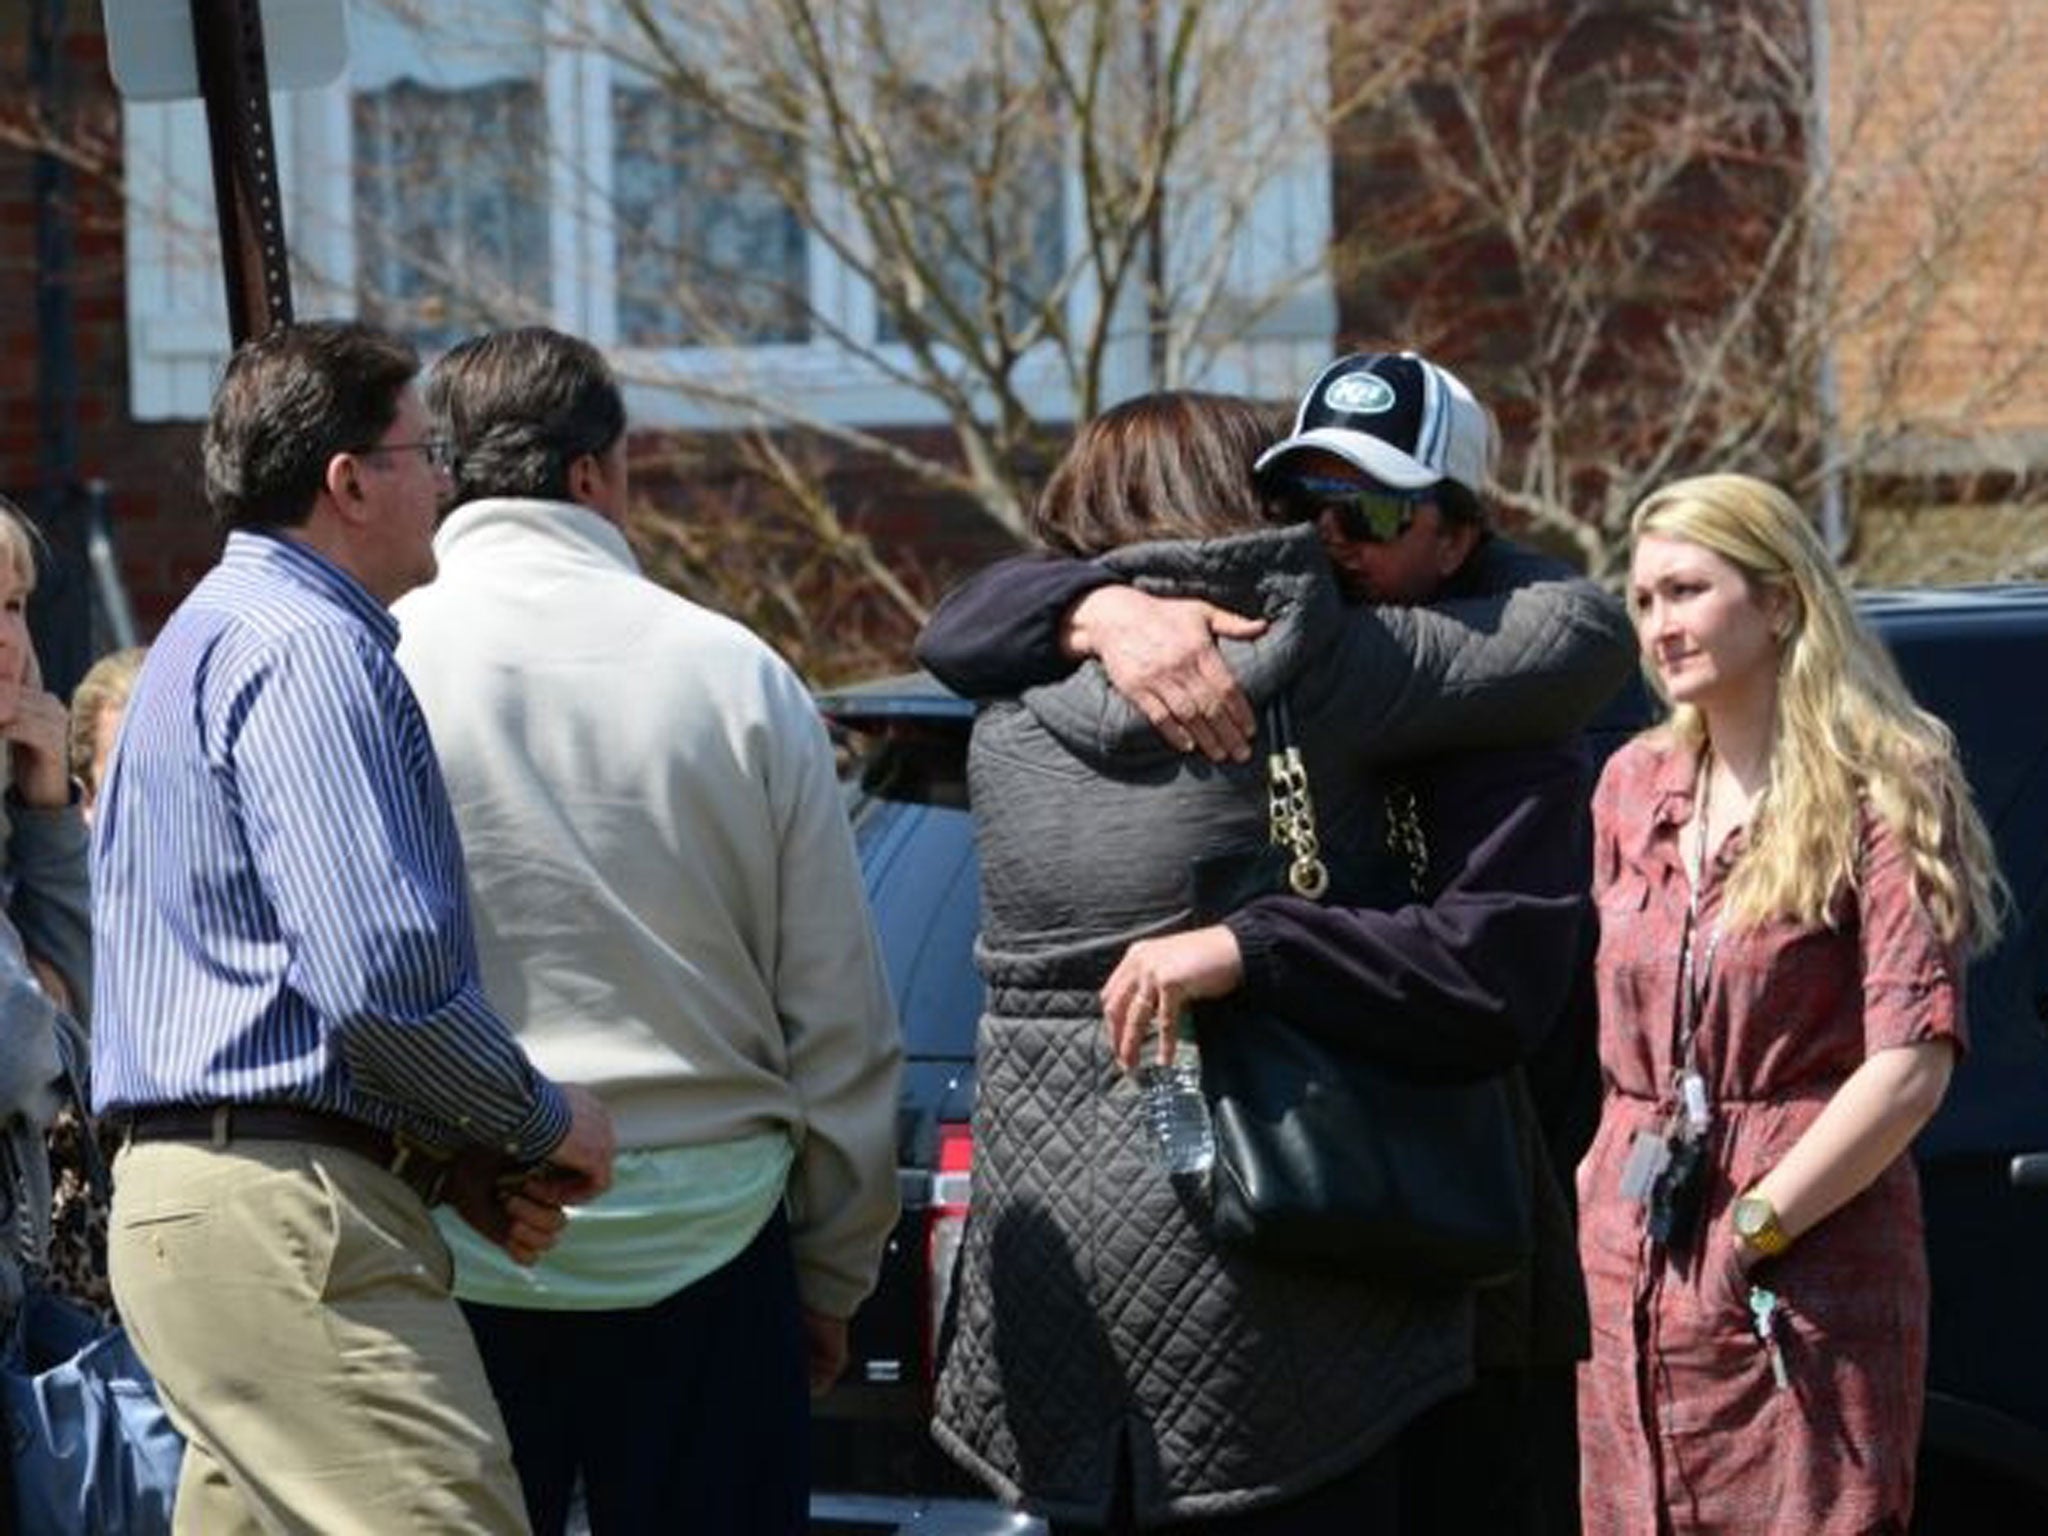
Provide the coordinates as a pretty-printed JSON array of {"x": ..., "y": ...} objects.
[
  {"x": 1984, "y": 1457},
  {"x": 875, "y": 1466}
]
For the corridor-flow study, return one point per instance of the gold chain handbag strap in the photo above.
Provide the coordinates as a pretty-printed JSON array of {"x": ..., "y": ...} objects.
[
  {"x": 1292, "y": 812},
  {"x": 1291, "y": 809}
]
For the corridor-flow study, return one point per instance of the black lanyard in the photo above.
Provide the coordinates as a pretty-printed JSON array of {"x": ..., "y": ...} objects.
[{"x": 1695, "y": 971}]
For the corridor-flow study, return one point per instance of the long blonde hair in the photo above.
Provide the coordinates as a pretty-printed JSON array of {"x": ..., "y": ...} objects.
[
  {"x": 18, "y": 541},
  {"x": 106, "y": 685},
  {"x": 1848, "y": 733}
]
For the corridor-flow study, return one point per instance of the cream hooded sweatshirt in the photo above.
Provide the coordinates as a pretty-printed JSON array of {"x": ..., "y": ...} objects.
[{"x": 667, "y": 900}]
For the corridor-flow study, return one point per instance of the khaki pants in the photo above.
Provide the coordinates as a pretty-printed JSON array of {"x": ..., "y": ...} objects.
[{"x": 292, "y": 1301}]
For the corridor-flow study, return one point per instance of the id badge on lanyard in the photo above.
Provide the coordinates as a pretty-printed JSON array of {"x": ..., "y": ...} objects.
[
  {"x": 1676, "y": 1143},
  {"x": 1664, "y": 1165}
]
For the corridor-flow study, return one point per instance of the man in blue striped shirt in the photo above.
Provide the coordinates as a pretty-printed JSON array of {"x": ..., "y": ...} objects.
[{"x": 290, "y": 1026}]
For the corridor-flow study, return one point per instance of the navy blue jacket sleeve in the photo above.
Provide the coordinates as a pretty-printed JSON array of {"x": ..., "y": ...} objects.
[
  {"x": 998, "y": 632},
  {"x": 1470, "y": 982}
]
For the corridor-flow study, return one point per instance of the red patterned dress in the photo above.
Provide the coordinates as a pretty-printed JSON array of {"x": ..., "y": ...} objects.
[{"x": 1679, "y": 1409}]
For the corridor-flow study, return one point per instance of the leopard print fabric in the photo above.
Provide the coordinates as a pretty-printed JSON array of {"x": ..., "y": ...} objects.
[{"x": 76, "y": 1267}]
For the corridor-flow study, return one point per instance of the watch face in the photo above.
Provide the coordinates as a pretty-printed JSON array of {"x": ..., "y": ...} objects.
[{"x": 1751, "y": 1216}]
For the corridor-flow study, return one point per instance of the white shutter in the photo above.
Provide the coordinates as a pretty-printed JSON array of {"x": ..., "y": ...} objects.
[
  {"x": 177, "y": 315},
  {"x": 177, "y": 304}
]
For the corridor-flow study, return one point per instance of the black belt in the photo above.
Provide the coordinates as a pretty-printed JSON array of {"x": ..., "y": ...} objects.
[{"x": 424, "y": 1168}]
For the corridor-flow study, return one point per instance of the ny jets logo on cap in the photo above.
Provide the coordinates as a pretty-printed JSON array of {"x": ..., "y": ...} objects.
[{"x": 1362, "y": 394}]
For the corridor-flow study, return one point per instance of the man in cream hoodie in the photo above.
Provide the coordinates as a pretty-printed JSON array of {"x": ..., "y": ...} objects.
[{"x": 669, "y": 910}]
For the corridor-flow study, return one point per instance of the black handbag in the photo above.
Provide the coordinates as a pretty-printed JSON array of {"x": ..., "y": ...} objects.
[{"x": 1325, "y": 1156}]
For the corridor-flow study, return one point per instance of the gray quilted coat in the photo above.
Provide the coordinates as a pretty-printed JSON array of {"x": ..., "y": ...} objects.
[{"x": 1095, "y": 1321}]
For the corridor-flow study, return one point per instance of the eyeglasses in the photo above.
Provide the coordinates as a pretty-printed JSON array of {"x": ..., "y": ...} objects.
[
  {"x": 1364, "y": 514},
  {"x": 437, "y": 451}
]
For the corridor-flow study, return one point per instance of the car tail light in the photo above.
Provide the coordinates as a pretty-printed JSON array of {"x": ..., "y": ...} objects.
[{"x": 945, "y": 1223}]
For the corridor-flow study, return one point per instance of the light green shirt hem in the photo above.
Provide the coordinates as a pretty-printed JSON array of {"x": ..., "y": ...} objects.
[{"x": 671, "y": 1217}]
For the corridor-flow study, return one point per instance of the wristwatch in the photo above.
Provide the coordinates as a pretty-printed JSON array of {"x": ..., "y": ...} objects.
[{"x": 1757, "y": 1227}]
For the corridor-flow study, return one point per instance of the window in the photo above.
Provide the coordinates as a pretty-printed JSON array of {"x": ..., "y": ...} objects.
[
  {"x": 450, "y": 221},
  {"x": 965, "y": 116},
  {"x": 485, "y": 162},
  {"x": 1020, "y": 262},
  {"x": 685, "y": 207}
]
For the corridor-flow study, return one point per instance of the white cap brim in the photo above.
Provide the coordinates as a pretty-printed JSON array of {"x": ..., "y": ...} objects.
[{"x": 1382, "y": 460}]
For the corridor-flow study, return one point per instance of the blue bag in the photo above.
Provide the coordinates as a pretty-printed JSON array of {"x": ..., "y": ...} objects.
[{"x": 93, "y": 1450}]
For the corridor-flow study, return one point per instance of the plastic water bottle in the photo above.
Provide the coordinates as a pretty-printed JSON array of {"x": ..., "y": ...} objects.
[{"x": 1176, "y": 1112}]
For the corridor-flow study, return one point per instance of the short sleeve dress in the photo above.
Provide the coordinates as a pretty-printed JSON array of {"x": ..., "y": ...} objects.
[{"x": 1682, "y": 1425}]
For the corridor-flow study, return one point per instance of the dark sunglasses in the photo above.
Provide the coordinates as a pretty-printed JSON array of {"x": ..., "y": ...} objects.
[{"x": 1364, "y": 514}]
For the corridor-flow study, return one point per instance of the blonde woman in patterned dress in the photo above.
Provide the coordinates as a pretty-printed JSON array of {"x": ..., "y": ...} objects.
[{"x": 1789, "y": 874}]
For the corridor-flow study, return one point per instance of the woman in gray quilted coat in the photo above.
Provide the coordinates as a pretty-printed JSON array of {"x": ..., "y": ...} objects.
[{"x": 1109, "y": 1366}]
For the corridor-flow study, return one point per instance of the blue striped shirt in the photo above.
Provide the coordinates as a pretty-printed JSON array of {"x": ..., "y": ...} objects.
[{"x": 278, "y": 891}]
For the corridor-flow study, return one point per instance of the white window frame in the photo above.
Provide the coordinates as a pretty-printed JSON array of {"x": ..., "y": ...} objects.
[{"x": 177, "y": 312}]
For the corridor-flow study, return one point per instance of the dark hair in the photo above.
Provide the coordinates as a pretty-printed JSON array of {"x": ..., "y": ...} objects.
[
  {"x": 286, "y": 405},
  {"x": 520, "y": 407},
  {"x": 1457, "y": 503},
  {"x": 1176, "y": 465}
]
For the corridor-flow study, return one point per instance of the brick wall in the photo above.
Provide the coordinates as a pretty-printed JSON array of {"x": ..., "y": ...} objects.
[
  {"x": 1568, "y": 259},
  {"x": 1936, "y": 312},
  {"x": 1940, "y": 130}
]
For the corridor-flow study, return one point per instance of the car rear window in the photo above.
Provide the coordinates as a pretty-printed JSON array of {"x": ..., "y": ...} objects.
[{"x": 908, "y": 801}]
